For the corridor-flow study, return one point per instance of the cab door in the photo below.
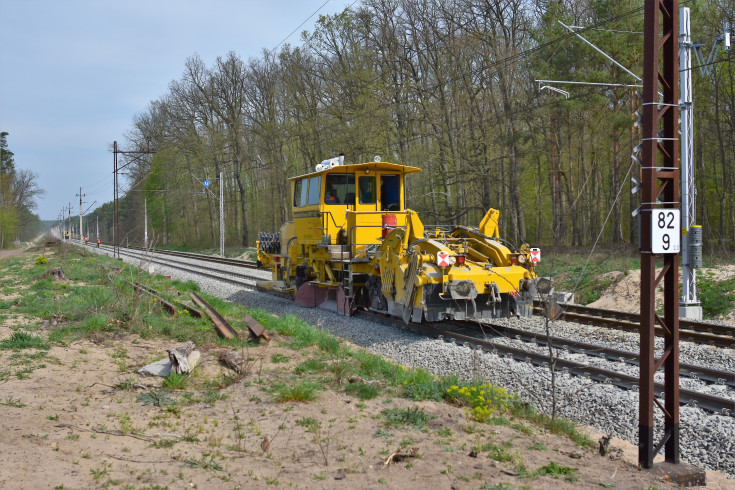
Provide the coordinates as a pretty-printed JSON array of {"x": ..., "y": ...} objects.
[{"x": 306, "y": 215}]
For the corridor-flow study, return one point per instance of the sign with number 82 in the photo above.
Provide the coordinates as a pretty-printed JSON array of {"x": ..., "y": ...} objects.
[{"x": 665, "y": 231}]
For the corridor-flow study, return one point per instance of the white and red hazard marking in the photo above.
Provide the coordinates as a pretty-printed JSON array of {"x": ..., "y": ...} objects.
[
  {"x": 442, "y": 259},
  {"x": 535, "y": 255}
]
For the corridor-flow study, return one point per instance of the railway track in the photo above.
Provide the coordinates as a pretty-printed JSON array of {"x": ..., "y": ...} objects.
[
  {"x": 229, "y": 276},
  {"x": 689, "y": 330},
  {"x": 248, "y": 264},
  {"x": 460, "y": 333},
  {"x": 477, "y": 338},
  {"x": 606, "y": 353}
]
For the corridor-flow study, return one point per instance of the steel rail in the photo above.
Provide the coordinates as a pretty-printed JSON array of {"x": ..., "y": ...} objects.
[
  {"x": 699, "y": 332},
  {"x": 248, "y": 264},
  {"x": 188, "y": 267},
  {"x": 221, "y": 324},
  {"x": 690, "y": 370}
]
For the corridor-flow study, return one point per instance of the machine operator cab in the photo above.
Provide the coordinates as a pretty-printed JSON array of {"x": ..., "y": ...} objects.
[{"x": 349, "y": 205}]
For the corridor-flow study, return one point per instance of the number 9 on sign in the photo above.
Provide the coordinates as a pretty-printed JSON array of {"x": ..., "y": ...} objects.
[{"x": 665, "y": 231}]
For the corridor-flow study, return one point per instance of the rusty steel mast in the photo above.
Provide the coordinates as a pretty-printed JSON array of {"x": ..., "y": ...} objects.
[{"x": 660, "y": 227}]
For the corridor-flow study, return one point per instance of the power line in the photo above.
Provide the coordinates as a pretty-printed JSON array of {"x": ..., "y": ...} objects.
[
  {"x": 729, "y": 58},
  {"x": 300, "y": 25}
]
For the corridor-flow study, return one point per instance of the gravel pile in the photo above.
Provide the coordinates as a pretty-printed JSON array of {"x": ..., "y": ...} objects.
[{"x": 706, "y": 440}]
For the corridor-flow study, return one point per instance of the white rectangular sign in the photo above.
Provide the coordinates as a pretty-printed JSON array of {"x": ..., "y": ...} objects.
[{"x": 665, "y": 231}]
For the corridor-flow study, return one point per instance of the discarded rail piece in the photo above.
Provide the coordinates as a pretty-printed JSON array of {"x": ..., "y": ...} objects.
[
  {"x": 192, "y": 311},
  {"x": 256, "y": 329},
  {"x": 223, "y": 327},
  {"x": 171, "y": 308}
]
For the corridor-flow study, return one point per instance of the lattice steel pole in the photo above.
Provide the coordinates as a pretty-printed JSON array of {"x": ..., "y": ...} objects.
[{"x": 659, "y": 235}]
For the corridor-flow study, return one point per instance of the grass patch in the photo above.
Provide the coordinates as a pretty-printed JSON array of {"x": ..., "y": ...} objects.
[
  {"x": 718, "y": 297},
  {"x": 204, "y": 463},
  {"x": 556, "y": 425},
  {"x": 23, "y": 340},
  {"x": 175, "y": 381},
  {"x": 413, "y": 417},
  {"x": 157, "y": 398},
  {"x": 299, "y": 391},
  {"x": 495, "y": 452},
  {"x": 419, "y": 384},
  {"x": 309, "y": 423},
  {"x": 277, "y": 358},
  {"x": 363, "y": 391},
  {"x": 311, "y": 366},
  {"x": 13, "y": 402},
  {"x": 213, "y": 396},
  {"x": 555, "y": 470}
]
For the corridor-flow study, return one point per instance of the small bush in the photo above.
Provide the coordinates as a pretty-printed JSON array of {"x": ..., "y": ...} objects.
[
  {"x": 483, "y": 400},
  {"x": 41, "y": 260},
  {"x": 717, "y": 298}
]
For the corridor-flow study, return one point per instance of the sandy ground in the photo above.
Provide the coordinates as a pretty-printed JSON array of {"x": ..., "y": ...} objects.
[
  {"x": 72, "y": 424},
  {"x": 624, "y": 292},
  {"x": 72, "y": 418}
]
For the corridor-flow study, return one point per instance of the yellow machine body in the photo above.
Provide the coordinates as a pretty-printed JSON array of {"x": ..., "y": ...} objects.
[{"x": 353, "y": 244}]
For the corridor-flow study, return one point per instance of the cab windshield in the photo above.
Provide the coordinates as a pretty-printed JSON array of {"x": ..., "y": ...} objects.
[{"x": 340, "y": 189}]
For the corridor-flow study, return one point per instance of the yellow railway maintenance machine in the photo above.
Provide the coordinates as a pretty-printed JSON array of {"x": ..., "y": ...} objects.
[{"x": 353, "y": 245}]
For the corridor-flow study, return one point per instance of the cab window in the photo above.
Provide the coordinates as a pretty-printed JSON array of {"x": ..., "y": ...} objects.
[
  {"x": 299, "y": 193},
  {"x": 340, "y": 189},
  {"x": 390, "y": 192},
  {"x": 314, "y": 185},
  {"x": 367, "y": 190}
]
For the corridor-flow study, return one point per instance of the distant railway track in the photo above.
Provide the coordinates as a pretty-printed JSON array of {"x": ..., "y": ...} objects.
[
  {"x": 233, "y": 277},
  {"x": 248, "y": 264},
  {"x": 689, "y": 330}
]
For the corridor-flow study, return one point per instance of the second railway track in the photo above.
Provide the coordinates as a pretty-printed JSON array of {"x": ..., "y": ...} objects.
[{"x": 689, "y": 330}]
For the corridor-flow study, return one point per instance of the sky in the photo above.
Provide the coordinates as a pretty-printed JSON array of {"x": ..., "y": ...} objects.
[{"x": 74, "y": 73}]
